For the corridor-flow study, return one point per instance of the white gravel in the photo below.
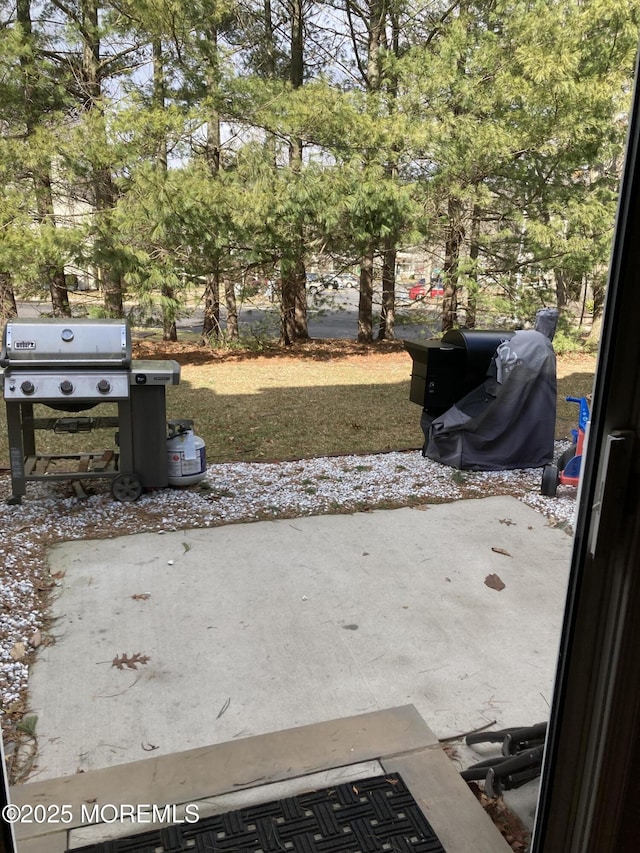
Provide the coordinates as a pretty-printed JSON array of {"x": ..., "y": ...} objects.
[{"x": 231, "y": 492}]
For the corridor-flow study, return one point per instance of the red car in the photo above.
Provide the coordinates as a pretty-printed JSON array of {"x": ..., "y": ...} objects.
[{"x": 419, "y": 291}]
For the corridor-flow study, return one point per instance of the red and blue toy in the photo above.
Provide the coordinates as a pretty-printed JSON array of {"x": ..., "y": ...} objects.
[{"x": 566, "y": 471}]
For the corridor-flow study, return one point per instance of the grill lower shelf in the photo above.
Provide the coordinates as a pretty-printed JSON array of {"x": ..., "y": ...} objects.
[
  {"x": 370, "y": 815},
  {"x": 73, "y": 466}
]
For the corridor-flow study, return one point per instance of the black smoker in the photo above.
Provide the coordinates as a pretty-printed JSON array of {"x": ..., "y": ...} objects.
[
  {"x": 488, "y": 397},
  {"x": 72, "y": 365},
  {"x": 445, "y": 370}
]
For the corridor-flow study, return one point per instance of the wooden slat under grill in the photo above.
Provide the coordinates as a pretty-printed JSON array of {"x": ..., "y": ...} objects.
[{"x": 80, "y": 465}]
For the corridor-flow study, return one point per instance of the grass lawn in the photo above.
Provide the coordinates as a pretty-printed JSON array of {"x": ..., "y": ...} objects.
[{"x": 323, "y": 398}]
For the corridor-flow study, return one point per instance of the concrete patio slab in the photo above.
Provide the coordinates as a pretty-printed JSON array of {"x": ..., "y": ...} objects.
[{"x": 199, "y": 637}]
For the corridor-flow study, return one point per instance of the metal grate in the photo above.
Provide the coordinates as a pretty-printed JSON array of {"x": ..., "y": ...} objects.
[{"x": 367, "y": 816}]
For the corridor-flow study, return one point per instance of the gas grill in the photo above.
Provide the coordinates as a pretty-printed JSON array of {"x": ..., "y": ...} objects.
[{"x": 71, "y": 366}]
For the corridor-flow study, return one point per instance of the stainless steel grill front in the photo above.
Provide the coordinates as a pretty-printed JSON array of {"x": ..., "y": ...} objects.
[{"x": 71, "y": 365}]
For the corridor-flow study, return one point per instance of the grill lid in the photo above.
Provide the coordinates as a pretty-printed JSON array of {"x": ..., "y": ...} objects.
[{"x": 45, "y": 342}]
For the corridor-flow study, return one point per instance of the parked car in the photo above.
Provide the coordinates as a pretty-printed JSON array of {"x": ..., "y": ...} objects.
[
  {"x": 347, "y": 279},
  {"x": 419, "y": 291},
  {"x": 332, "y": 280},
  {"x": 313, "y": 282}
]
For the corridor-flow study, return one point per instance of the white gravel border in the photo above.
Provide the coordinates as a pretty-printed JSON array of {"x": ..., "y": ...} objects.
[{"x": 231, "y": 492}]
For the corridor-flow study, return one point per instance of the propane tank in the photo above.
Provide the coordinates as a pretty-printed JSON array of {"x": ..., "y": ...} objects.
[{"x": 187, "y": 454}]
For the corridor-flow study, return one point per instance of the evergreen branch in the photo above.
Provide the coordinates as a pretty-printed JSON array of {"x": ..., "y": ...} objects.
[
  {"x": 354, "y": 43},
  {"x": 68, "y": 11},
  {"x": 440, "y": 22}
]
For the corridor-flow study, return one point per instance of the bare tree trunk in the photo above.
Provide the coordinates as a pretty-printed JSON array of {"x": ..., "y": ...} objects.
[
  {"x": 365, "y": 302},
  {"x": 169, "y": 302},
  {"x": 293, "y": 325},
  {"x": 293, "y": 301},
  {"x": 388, "y": 313},
  {"x": 453, "y": 242},
  {"x": 561, "y": 288},
  {"x": 300, "y": 301},
  {"x": 287, "y": 303},
  {"x": 293, "y": 305},
  {"x": 112, "y": 293},
  {"x": 271, "y": 67},
  {"x": 474, "y": 251},
  {"x": 59, "y": 292},
  {"x": 599, "y": 289},
  {"x": 233, "y": 331},
  {"x": 169, "y": 330},
  {"x": 377, "y": 9},
  {"x": 53, "y": 273},
  {"x": 214, "y": 283},
  {"x": 8, "y": 307},
  {"x": 211, "y": 321},
  {"x": 104, "y": 189}
]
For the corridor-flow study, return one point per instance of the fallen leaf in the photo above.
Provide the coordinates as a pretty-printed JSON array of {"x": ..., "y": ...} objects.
[
  {"x": 130, "y": 662},
  {"x": 36, "y": 639},
  {"x": 509, "y": 824},
  {"x": 494, "y": 582},
  {"x": 501, "y": 551},
  {"x": 141, "y": 596}
]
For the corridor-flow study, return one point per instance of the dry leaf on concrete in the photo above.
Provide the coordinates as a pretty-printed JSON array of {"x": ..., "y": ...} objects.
[
  {"x": 130, "y": 662},
  {"x": 494, "y": 582}
]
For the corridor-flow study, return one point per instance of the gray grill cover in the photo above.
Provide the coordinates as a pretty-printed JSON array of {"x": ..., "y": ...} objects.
[{"x": 508, "y": 421}]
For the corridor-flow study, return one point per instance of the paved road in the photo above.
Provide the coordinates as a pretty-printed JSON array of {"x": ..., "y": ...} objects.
[
  {"x": 334, "y": 314},
  {"x": 331, "y": 314}
]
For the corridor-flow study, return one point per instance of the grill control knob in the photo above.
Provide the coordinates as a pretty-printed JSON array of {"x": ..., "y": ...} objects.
[
  {"x": 66, "y": 387},
  {"x": 104, "y": 386},
  {"x": 27, "y": 387}
]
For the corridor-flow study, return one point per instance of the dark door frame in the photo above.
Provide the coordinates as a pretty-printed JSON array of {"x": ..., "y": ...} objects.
[{"x": 589, "y": 797}]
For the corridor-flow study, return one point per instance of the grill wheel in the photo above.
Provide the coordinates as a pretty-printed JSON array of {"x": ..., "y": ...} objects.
[{"x": 126, "y": 488}]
